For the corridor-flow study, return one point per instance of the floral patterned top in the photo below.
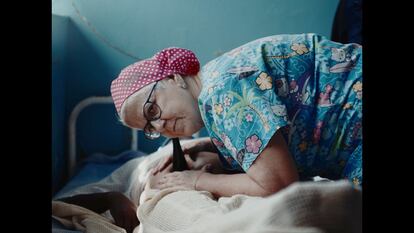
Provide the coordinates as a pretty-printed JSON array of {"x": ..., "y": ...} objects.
[{"x": 308, "y": 87}]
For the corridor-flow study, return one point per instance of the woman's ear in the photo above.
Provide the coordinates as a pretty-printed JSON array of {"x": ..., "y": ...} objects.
[{"x": 180, "y": 81}]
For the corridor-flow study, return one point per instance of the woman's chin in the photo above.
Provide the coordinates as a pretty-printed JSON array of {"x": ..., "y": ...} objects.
[
  {"x": 185, "y": 131},
  {"x": 178, "y": 135},
  {"x": 188, "y": 133},
  {"x": 191, "y": 131}
]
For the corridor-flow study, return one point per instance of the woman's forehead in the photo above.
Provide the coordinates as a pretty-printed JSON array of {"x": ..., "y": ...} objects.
[{"x": 132, "y": 109}]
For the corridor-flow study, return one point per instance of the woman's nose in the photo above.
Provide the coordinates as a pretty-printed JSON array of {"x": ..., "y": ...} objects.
[{"x": 158, "y": 125}]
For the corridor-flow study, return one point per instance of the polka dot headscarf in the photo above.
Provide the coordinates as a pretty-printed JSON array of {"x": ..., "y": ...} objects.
[{"x": 167, "y": 62}]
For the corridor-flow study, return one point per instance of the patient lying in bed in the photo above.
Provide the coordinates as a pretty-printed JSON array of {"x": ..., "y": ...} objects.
[
  {"x": 130, "y": 191},
  {"x": 122, "y": 209}
]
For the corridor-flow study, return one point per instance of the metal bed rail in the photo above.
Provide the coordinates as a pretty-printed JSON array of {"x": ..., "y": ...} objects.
[{"x": 72, "y": 128}]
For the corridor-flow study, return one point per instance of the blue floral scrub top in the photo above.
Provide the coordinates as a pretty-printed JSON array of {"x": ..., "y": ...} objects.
[{"x": 308, "y": 87}]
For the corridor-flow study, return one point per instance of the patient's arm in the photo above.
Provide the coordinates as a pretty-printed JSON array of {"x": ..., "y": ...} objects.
[
  {"x": 122, "y": 209},
  {"x": 97, "y": 202},
  {"x": 273, "y": 170}
]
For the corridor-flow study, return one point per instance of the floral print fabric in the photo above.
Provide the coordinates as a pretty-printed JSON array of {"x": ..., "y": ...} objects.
[{"x": 308, "y": 87}]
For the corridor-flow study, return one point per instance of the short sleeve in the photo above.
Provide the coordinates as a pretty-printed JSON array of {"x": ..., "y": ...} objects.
[
  {"x": 241, "y": 103},
  {"x": 245, "y": 112}
]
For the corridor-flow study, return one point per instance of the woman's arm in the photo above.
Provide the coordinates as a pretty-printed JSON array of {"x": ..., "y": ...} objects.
[{"x": 273, "y": 170}]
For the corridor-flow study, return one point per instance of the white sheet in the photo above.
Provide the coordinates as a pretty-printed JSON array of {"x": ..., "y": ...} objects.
[{"x": 302, "y": 207}]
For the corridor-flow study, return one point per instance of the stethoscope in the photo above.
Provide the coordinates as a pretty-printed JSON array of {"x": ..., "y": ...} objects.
[{"x": 179, "y": 162}]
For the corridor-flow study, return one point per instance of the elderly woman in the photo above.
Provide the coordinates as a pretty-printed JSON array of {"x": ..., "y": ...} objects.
[{"x": 277, "y": 109}]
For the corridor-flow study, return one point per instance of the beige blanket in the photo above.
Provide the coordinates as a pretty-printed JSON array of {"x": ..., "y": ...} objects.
[{"x": 302, "y": 207}]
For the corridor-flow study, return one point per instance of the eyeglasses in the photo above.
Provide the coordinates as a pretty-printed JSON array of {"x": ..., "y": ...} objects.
[{"x": 152, "y": 112}]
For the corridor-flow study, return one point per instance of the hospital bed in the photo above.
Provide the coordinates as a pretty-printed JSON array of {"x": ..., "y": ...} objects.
[{"x": 96, "y": 166}]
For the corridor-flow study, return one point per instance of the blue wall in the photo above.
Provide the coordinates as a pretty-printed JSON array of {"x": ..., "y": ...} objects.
[
  {"x": 100, "y": 33},
  {"x": 59, "y": 29},
  {"x": 208, "y": 27},
  {"x": 78, "y": 72}
]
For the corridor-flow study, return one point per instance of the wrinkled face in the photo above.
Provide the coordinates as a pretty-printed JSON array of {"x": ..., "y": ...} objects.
[{"x": 179, "y": 117}]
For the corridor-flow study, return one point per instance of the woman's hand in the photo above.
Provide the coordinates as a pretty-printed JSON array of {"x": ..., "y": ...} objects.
[
  {"x": 191, "y": 150},
  {"x": 123, "y": 211},
  {"x": 185, "y": 179},
  {"x": 165, "y": 165},
  {"x": 165, "y": 162},
  {"x": 198, "y": 145}
]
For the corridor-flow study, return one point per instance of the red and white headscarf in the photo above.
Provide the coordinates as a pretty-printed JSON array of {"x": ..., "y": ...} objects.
[{"x": 167, "y": 62}]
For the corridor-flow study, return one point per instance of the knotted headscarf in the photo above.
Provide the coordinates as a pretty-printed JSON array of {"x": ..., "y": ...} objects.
[{"x": 167, "y": 62}]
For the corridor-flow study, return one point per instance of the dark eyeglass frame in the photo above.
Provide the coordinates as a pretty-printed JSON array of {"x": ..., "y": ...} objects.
[{"x": 149, "y": 130}]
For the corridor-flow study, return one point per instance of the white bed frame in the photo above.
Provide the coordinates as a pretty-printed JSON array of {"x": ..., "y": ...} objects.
[{"x": 72, "y": 161}]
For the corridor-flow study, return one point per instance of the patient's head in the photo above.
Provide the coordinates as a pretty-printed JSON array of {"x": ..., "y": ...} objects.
[{"x": 160, "y": 94}]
